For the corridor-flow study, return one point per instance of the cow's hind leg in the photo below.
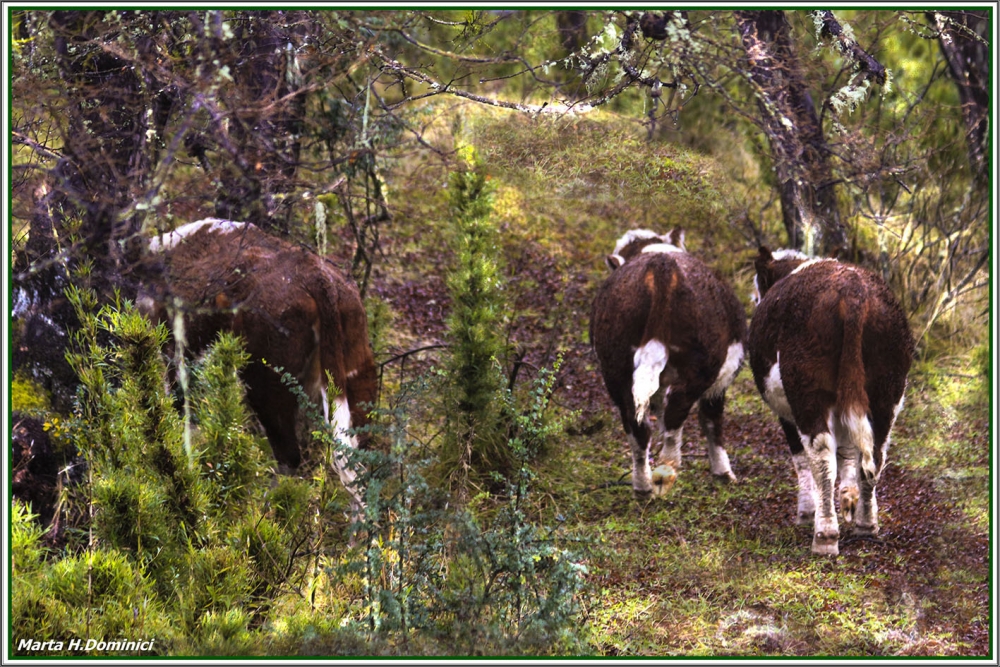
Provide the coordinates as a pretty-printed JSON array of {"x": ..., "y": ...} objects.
[
  {"x": 821, "y": 449},
  {"x": 277, "y": 410},
  {"x": 806, "y": 510},
  {"x": 710, "y": 420},
  {"x": 642, "y": 474},
  {"x": 676, "y": 408},
  {"x": 847, "y": 463},
  {"x": 866, "y": 520}
]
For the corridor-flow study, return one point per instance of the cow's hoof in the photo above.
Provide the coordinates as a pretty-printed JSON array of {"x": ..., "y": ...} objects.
[
  {"x": 642, "y": 495},
  {"x": 865, "y": 530},
  {"x": 726, "y": 478},
  {"x": 825, "y": 544}
]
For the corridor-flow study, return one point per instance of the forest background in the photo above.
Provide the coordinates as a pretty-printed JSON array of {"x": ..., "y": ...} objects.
[{"x": 498, "y": 153}]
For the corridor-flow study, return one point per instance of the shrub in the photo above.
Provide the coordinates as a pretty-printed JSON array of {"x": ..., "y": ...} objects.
[{"x": 474, "y": 445}]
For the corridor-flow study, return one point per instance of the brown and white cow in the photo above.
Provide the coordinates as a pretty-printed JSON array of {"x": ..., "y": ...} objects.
[
  {"x": 830, "y": 348},
  {"x": 293, "y": 309},
  {"x": 668, "y": 333}
]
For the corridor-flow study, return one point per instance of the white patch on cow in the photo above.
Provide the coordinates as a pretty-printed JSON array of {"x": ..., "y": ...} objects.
[
  {"x": 649, "y": 362},
  {"x": 171, "y": 239},
  {"x": 718, "y": 460},
  {"x": 898, "y": 408},
  {"x": 895, "y": 414},
  {"x": 633, "y": 235},
  {"x": 661, "y": 247},
  {"x": 788, "y": 253},
  {"x": 859, "y": 430},
  {"x": 341, "y": 423},
  {"x": 326, "y": 405},
  {"x": 811, "y": 262},
  {"x": 847, "y": 470},
  {"x": 670, "y": 451},
  {"x": 352, "y": 374},
  {"x": 731, "y": 366},
  {"x": 645, "y": 235},
  {"x": 774, "y": 392},
  {"x": 641, "y": 470},
  {"x": 755, "y": 295},
  {"x": 822, "y": 453}
]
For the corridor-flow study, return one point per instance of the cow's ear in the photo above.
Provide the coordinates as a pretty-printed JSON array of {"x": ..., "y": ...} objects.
[
  {"x": 762, "y": 267},
  {"x": 676, "y": 238},
  {"x": 614, "y": 261}
]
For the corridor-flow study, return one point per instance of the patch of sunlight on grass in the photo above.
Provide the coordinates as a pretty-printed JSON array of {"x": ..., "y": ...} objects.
[
  {"x": 876, "y": 629},
  {"x": 836, "y": 612},
  {"x": 620, "y": 624},
  {"x": 940, "y": 434},
  {"x": 803, "y": 593},
  {"x": 742, "y": 398}
]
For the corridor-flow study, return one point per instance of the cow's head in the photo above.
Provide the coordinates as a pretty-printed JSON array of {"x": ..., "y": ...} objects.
[
  {"x": 637, "y": 241},
  {"x": 772, "y": 267}
]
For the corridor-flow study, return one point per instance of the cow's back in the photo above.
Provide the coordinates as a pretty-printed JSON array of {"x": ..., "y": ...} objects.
[{"x": 670, "y": 297}]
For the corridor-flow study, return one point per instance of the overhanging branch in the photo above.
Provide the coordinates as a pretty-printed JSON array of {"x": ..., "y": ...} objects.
[{"x": 850, "y": 47}]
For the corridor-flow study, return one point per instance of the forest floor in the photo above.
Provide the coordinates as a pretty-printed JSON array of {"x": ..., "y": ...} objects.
[
  {"x": 721, "y": 569},
  {"x": 712, "y": 568}
]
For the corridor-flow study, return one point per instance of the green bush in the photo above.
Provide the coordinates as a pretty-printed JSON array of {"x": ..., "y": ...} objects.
[
  {"x": 474, "y": 445},
  {"x": 202, "y": 553},
  {"x": 231, "y": 457}
]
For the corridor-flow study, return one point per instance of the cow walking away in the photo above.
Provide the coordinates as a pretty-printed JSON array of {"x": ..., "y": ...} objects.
[
  {"x": 293, "y": 309},
  {"x": 830, "y": 349},
  {"x": 668, "y": 333}
]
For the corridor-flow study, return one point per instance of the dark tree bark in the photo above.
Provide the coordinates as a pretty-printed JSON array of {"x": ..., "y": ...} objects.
[
  {"x": 80, "y": 228},
  {"x": 789, "y": 120},
  {"x": 266, "y": 122},
  {"x": 105, "y": 163},
  {"x": 963, "y": 40}
]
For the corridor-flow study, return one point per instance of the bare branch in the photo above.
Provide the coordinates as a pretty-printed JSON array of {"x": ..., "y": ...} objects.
[
  {"x": 18, "y": 138},
  {"x": 502, "y": 58},
  {"x": 438, "y": 88},
  {"x": 850, "y": 47}
]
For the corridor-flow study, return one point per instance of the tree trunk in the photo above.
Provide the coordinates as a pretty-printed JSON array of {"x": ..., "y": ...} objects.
[
  {"x": 799, "y": 151},
  {"x": 962, "y": 35},
  {"x": 105, "y": 164},
  {"x": 266, "y": 120}
]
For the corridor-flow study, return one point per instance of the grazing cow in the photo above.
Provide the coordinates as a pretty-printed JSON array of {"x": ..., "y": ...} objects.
[
  {"x": 830, "y": 348},
  {"x": 292, "y": 309},
  {"x": 668, "y": 333}
]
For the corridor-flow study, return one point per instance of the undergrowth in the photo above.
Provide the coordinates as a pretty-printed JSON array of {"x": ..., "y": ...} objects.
[{"x": 204, "y": 553}]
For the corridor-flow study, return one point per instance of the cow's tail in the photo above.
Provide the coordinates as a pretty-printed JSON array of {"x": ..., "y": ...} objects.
[
  {"x": 345, "y": 349},
  {"x": 852, "y": 399},
  {"x": 650, "y": 358}
]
